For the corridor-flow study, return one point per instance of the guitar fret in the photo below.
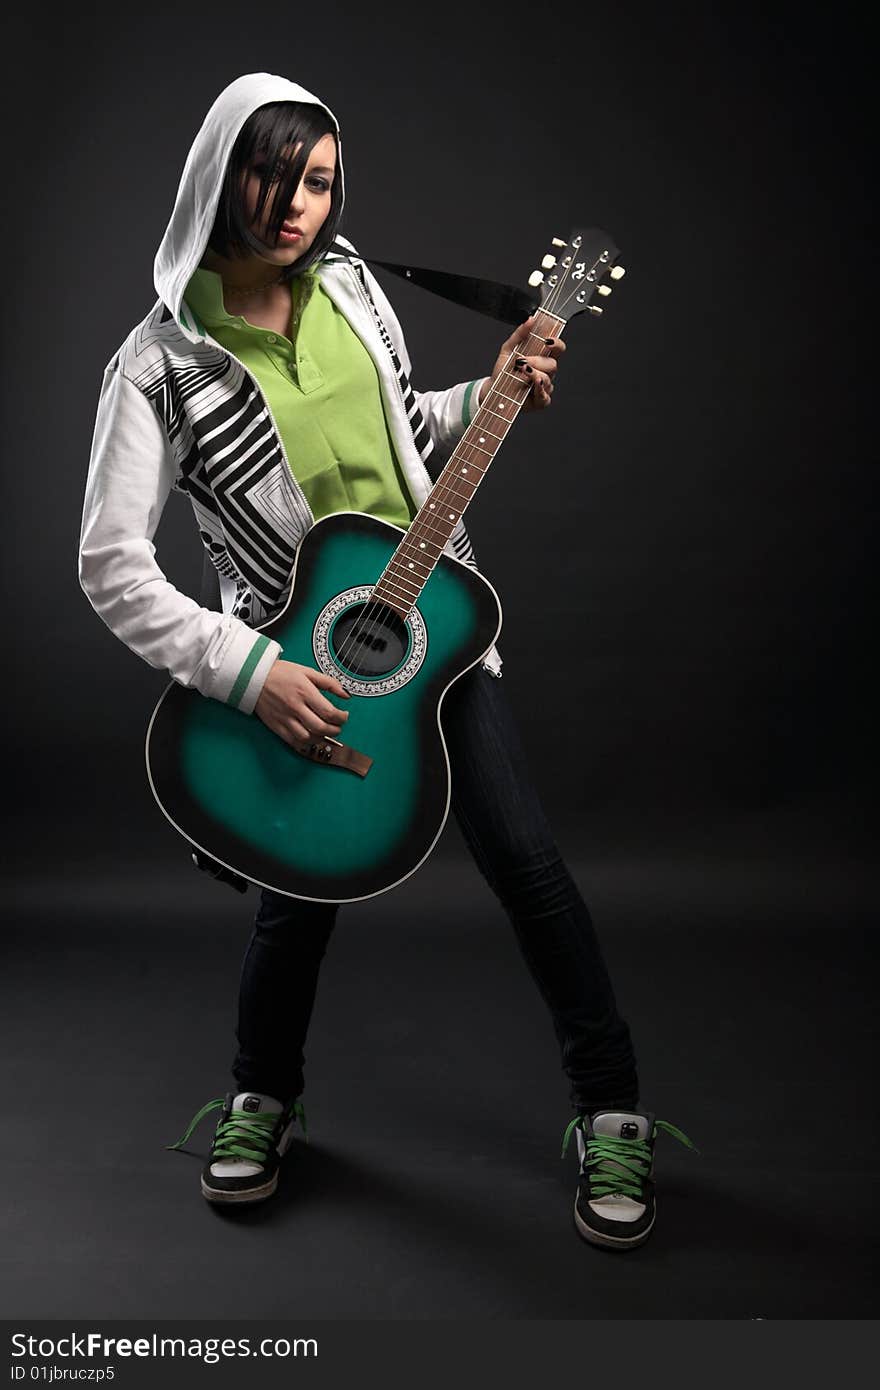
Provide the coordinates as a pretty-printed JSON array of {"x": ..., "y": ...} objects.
[
  {"x": 408, "y": 588},
  {"x": 447, "y": 483},
  {"x": 484, "y": 430},
  {"x": 471, "y": 463},
  {"x": 505, "y": 418},
  {"x": 432, "y": 531},
  {"x": 423, "y": 537},
  {"x": 384, "y": 587},
  {"x": 410, "y": 568}
]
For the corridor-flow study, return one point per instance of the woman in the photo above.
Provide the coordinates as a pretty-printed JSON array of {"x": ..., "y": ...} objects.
[{"x": 270, "y": 383}]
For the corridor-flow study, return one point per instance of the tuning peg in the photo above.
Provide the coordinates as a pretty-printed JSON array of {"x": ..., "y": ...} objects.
[
  {"x": 536, "y": 277},
  {"x": 617, "y": 272},
  {"x": 548, "y": 262},
  {"x": 604, "y": 289},
  {"x": 594, "y": 309},
  {"x": 557, "y": 241}
]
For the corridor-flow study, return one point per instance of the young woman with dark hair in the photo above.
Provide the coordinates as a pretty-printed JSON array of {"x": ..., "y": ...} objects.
[{"x": 270, "y": 383}]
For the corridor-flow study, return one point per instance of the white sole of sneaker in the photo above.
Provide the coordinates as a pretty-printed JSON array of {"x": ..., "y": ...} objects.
[
  {"x": 610, "y": 1242},
  {"x": 253, "y": 1194}
]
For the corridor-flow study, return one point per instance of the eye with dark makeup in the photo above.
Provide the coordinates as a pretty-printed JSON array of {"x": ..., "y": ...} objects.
[{"x": 321, "y": 185}]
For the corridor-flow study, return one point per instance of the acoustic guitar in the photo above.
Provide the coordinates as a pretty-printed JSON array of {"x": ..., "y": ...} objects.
[{"x": 395, "y": 620}]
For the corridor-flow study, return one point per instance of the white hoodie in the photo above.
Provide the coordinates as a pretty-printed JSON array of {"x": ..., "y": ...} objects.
[{"x": 178, "y": 412}]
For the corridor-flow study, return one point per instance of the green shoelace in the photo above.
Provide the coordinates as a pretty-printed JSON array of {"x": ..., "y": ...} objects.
[
  {"x": 241, "y": 1136},
  {"x": 619, "y": 1165}
]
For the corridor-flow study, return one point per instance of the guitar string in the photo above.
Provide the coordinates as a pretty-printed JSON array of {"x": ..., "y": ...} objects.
[{"x": 368, "y": 625}]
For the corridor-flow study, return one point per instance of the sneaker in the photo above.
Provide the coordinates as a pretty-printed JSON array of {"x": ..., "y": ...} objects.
[
  {"x": 252, "y": 1135},
  {"x": 615, "y": 1204}
]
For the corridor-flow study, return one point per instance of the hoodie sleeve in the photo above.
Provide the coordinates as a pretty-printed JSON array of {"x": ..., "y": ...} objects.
[
  {"x": 131, "y": 472},
  {"x": 448, "y": 413}
]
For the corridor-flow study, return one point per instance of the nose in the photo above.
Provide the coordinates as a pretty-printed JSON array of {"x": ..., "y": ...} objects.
[{"x": 297, "y": 202}]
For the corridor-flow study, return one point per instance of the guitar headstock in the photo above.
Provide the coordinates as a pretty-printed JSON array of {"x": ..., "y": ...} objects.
[{"x": 576, "y": 272}]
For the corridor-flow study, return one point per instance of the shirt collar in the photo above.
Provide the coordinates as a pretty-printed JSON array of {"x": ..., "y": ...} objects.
[{"x": 204, "y": 295}]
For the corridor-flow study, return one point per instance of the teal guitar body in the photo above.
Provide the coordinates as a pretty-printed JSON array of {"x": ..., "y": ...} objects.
[{"x": 301, "y": 826}]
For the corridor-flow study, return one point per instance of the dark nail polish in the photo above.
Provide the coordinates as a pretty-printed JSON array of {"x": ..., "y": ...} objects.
[
  {"x": 528, "y": 369},
  {"x": 548, "y": 341}
]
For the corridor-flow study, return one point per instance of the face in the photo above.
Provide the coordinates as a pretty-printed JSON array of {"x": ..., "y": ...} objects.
[{"x": 309, "y": 206}]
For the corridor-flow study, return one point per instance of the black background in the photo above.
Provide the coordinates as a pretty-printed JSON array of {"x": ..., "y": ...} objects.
[{"x": 682, "y": 544}]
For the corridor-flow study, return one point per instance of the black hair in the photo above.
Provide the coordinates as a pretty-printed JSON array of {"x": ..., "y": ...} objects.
[{"x": 263, "y": 139}]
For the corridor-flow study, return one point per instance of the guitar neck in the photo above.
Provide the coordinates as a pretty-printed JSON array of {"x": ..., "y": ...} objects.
[{"x": 415, "y": 559}]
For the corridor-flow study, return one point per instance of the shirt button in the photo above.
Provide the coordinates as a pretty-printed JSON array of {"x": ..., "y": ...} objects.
[
  {"x": 270, "y": 338},
  {"x": 291, "y": 367}
]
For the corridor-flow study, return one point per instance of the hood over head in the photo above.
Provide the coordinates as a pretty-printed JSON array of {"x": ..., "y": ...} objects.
[{"x": 195, "y": 207}]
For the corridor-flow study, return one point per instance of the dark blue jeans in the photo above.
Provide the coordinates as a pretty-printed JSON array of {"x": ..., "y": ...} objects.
[{"x": 507, "y": 832}]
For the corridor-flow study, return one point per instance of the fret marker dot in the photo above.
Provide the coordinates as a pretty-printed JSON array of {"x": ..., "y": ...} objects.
[
  {"x": 482, "y": 439},
  {"x": 431, "y": 506},
  {"x": 501, "y": 406},
  {"x": 464, "y": 470},
  {"x": 421, "y": 545},
  {"x": 452, "y": 516},
  {"x": 410, "y": 565}
]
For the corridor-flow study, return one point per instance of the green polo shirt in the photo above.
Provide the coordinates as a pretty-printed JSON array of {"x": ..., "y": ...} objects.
[{"x": 324, "y": 393}]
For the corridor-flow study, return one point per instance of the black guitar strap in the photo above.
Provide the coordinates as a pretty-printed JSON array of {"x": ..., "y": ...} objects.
[{"x": 489, "y": 297}]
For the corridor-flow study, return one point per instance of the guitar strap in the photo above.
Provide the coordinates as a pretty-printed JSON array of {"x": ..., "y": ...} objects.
[{"x": 489, "y": 297}]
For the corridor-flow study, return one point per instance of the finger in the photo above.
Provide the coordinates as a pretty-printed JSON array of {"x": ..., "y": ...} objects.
[
  {"x": 325, "y": 682},
  {"x": 548, "y": 365},
  {"x": 555, "y": 345},
  {"x": 541, "y": 392},
  {"x": 324, "y": 722},
  {"x": 519, "y": 335},
  {"x": 530, "y": 373}
]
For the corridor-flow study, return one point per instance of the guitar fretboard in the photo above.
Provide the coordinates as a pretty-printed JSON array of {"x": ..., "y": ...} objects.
[{"x": 415, "y": 559}]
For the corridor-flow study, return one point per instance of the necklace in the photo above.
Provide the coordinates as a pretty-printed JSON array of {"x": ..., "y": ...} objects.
[{"x": 248, "y": 294}]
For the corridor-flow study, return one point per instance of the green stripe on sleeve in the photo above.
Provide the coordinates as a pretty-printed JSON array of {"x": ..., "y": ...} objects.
[
  {"x": 466, "y": 403},
  {"x": 247, "y": 670}
]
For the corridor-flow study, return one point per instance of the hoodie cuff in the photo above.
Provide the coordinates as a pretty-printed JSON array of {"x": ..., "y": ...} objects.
[
  {"x": 238, "y": 672},
  {"x": 471, "y": 400}
]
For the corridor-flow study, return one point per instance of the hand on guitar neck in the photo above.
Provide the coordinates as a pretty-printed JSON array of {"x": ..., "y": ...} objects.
[{"x": 292, "y": 706}]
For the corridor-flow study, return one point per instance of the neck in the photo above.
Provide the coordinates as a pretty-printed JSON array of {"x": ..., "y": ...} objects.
[
  {"x": 415, "y": 559},
  {"x": 251, "y": 276}
]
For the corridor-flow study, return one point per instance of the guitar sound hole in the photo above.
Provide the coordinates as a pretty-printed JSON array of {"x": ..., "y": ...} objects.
[{"x": 369, "y": 640}]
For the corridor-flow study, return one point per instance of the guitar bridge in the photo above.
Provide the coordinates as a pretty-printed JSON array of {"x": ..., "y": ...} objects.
[{"x": 335, "y": 754}]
